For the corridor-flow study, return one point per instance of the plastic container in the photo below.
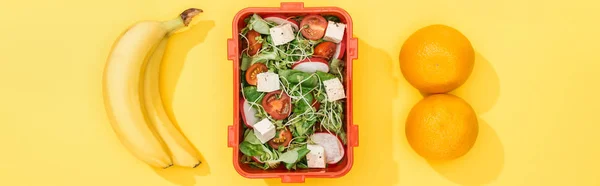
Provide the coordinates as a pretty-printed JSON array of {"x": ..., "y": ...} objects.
[{"x": 235, "y": 131}]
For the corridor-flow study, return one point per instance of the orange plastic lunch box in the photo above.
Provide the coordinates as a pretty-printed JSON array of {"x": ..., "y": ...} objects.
[{"x": 235, "y": 132}]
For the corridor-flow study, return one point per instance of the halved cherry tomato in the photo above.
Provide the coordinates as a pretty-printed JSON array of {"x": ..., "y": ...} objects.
[
  {"x": 254, "y": 70},
  {"x": 316, "y": 27},
  {"x": 283, "y": 137},
  {"x": 253, "y": 44},
  {"x": 278, "y": 104},
  {"x": 325, "y": 50}
]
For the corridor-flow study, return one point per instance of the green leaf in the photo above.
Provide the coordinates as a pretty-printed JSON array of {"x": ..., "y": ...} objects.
[
  {"x": 302, "y": 152},
  {"x": 263, "y": 56},
  {"x": 302, "y": 165},
  {"x": 251, "y": 138},
  {"x": 290, "y": 156},
  {"x": 246, "y": 60},
  {"x": 251, "y": 149},
  {"x": 303, "y": 126},
  {"x": 295, "y": 77},
  {"x": 252, "y": 95},
  {"x": 335, "y": 66},
  {"x": 300, "y": 106},
  {"x": 290, "y": 166},
  {"x": 325, "y": 76},
  {"x": 332, "y": 18},
  {"x": 259, "y": 24}
]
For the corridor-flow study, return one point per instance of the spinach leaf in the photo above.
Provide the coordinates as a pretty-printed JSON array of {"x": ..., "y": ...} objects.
[
  {"x": 250, "y": 149},
  {"x": 300, "y": 106},
  {"x": 324, "y": 75},
  {"x": 252, "y": 95},
  {"x": 302, "y": 165},
  {"x": 295, "y": 77},
  {"x": 290, "y": 156},
  {"x": 246, "y": 60},
  {"x": 259, "y": 24},
  {"x": 263, "y": 56},
  {"x": 301, "y": 153},
  {"x": 251, "y": 138},
  {"x": 332, "y": 18},
  {"x": 335, "y": 66}
]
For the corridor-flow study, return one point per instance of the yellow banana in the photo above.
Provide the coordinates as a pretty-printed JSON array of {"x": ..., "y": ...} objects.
[
  {"x": 122, "y": 82},
  {"x": 182, "y": 151}
]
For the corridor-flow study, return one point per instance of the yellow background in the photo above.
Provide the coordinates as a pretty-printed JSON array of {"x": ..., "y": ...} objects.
[{"x": 534, "y": 87}]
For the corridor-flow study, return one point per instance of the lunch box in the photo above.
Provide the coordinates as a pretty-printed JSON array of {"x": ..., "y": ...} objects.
[{"x": 235, "y": 131}]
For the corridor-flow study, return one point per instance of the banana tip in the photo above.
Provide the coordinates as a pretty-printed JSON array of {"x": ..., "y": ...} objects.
[
  {"x": 189, "y": 14},
  {"x": 197, "y": 164},
  {"x": 168, "y": 166}
]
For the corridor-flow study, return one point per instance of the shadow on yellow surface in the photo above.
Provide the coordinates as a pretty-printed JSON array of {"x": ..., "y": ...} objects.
[
  {"x": 481, "y": 165},
  {"x": 175, "y": 55},
  {"x": 484, "y": 162},
  {"x": 482, "y": 89},
  {"x": 184, "y": 176},
  {"x": 377, "y": 92}
]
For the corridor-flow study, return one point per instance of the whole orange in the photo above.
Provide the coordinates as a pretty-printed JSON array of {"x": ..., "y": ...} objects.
[
  {"x": 437, "y": 59},
  {"x": 442, "y": 127}
]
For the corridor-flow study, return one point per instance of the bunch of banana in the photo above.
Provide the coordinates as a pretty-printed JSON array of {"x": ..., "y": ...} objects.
[{"x": 132, "y": 95}]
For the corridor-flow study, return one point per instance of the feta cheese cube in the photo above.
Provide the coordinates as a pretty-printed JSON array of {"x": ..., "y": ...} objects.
[
  {"x": 282, "y": 34},
  {"x": 264, "y": 130},
  {"x": 334, "y": 32},
  {"x": 316, "y": 157},
  {"x": 334, "y": 89},
  {"x": 267, "y": 82}
]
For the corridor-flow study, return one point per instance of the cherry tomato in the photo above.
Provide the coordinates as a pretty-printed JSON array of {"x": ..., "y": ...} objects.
[
  {"x": 283, "y": 137},
  {"x": 277, "y": 104},
  {"x": 315, "y": 103},
  {"x": 316, "y": 27},
  {"x": 254, "y": 45},
  {"x": 254, "y": 70},
  {"x": 325, "y": 50}
]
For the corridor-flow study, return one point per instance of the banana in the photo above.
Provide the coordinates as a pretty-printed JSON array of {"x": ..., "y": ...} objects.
[
  {"x": 182, "y": 151},
  {"x": 122, "y": 82}
]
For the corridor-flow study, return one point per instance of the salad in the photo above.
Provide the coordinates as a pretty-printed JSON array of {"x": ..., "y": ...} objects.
[{"x": 292, "y": 93}]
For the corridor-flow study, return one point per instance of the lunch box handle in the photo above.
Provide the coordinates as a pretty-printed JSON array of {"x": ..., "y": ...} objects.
[
  {"x": 292, "y": 179},
  {"x": 292, "y": 6},
  {"x": 231, "y": 46},
  {"x": 230, "y": 136},
  {"x": 353, "y": 135},
  {"x": 353, "y": 48}
]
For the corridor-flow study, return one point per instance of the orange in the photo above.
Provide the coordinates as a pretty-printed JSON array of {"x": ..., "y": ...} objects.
[
  {"x": 436, "y": 59},
  {"x": 441, "y": 127}
]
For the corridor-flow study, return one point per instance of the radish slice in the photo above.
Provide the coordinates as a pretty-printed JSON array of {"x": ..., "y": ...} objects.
[
  {"x": 340, "y": 49},
  {"x": 256, "y": 159},
  {"x": 334, "y": 150},
  {"x": 248, "y": 113},
  {"x": 311, "y": 65},
  {"x": 280, "y": 20}
]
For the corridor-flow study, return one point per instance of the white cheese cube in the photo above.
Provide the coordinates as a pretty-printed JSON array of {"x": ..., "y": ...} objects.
[
  {"x": 267, "y": 82},
  {"x": 282, "y": 34},
  {"x": 334, "y": 32},
  {"x": 316, "y": 157},
  {"x": 264, "y": 130},
  {"x": 334, "y": 89}
]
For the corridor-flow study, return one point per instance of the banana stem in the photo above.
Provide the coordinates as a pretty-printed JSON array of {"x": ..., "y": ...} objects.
[
  {"x": 189, "y": 14},
  {"x": 183, "y": 20}
]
